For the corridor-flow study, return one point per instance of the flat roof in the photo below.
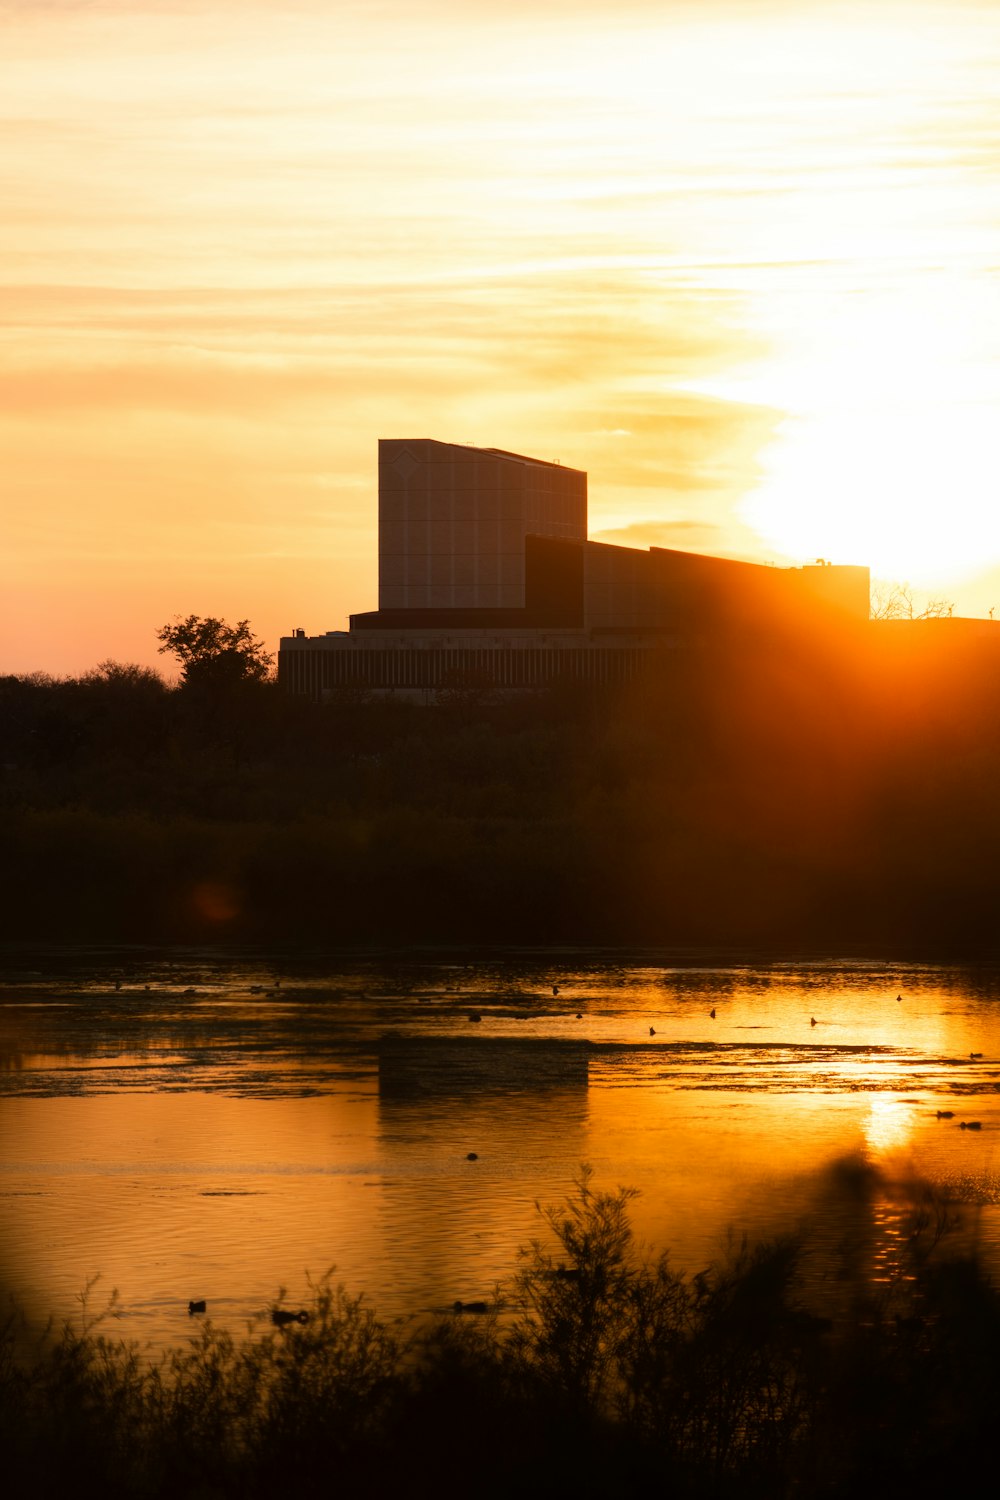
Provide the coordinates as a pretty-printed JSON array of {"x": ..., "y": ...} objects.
[{"x": 521, "y": 458}]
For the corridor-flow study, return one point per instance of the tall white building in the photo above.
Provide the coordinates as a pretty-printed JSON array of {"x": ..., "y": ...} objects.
[{"x": 452, "y": 522}]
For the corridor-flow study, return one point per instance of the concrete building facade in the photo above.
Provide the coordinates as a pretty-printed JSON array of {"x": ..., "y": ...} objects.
[
  {"x": 452, "y": 522},
  {"x": 486, "y": 576}
]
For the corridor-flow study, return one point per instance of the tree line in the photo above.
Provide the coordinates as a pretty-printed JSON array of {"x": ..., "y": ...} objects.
[{"x": 766, "y": 792}]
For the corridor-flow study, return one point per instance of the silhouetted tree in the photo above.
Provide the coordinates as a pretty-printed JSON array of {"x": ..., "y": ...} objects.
[
  {"x": 215, "y": 654},
  {"x": 126, "y": 675}
]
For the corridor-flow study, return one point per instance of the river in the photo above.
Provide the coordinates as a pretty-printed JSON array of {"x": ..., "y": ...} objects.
[{"x": 194, "y": 1125}]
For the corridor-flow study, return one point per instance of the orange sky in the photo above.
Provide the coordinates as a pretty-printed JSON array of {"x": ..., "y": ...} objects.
[{"x": 738, "y": 261}]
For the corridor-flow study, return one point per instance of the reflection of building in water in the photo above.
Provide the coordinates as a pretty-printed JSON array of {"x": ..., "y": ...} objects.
[
  {"x": 470, "y": 1134},
  {"x": 438, "y": 1068},
  {"x": 516, "y": 1101},
  {"x": 486, "y": 577}
]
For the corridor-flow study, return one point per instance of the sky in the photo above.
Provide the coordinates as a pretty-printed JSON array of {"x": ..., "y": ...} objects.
[{"x": 739, "y": 261}]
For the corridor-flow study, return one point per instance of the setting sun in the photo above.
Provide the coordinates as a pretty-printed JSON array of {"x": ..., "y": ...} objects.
[{"x": 914, "y": 499}]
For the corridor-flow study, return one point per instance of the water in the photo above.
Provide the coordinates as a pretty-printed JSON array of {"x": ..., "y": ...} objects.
[{"x": 190, "y": 1126}]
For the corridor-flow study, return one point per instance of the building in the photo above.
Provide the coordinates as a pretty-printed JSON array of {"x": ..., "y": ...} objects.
[
  {"x": 487, "y": 577},
  {"x": 453, "y": 523}
]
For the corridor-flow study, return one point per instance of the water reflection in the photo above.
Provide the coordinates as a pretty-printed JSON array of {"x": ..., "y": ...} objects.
[
  {"x": 888, "y": 1127},
  {"x": 463, "y": 1123},
  {"x": 215, "y": 1127}
]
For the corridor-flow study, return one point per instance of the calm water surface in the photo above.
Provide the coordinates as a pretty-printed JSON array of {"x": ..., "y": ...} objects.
[{"x": 193, "y": 1126}]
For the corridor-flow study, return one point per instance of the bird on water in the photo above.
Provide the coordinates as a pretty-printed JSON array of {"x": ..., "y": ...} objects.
[{"x": 281, "y": 1317}]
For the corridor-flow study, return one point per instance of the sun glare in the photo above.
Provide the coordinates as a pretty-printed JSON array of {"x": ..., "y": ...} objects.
[
  {"x": 888, "y": 1125},
  {"x": 910, "y": 493},
  {"x": 887, "y": 455}
]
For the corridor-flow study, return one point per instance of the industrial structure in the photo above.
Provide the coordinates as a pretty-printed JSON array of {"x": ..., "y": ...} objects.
[{"x": 486, "y": 576}]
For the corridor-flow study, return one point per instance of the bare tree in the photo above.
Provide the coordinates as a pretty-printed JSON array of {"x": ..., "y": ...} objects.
[{"x": 892, "y": 600}]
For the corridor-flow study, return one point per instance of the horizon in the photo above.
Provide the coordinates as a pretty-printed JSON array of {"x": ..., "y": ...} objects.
[{"x": 735, "y": 261}]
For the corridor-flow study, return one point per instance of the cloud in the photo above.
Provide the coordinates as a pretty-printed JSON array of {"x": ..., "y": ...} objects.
[{"x": 198, "y": 388}]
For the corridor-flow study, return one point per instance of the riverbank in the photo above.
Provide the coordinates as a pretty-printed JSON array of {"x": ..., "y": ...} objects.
[{"x": 592, "y": 1371}]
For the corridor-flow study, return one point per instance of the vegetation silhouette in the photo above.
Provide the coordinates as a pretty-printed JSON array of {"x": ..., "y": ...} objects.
[
  {"x": 811, "y": 796},
  {"x": 596, "y": 1370},
  {"x": 213, "y": 654}
]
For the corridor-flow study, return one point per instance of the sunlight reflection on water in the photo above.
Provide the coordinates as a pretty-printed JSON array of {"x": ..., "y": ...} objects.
[{"x": 191, "y": 1126}]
